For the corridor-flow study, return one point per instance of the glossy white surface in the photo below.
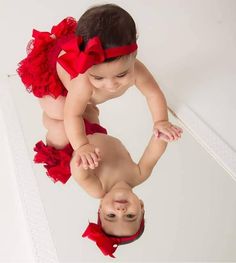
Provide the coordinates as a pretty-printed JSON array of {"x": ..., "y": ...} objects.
[
  {"x": 15, "y": 238},
  {"x": 189, "y": 199}
]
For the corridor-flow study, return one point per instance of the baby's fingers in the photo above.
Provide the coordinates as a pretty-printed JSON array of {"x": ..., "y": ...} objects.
[
  {"x": 97, "y": 151},
  {"x": 177, "y": 131},
  {"x": 169, "y": 133},
  {"x": 156, "y": 133},
  {"x": 95, "y": 159},
  {"x": 174, "y": 134},
  {"x": 90, "y": 161},
  {"x": 84, "y": 162},
  {"x": 177, "y": 128}
]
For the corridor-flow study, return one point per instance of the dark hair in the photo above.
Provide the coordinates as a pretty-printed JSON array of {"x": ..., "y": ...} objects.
[{"x": 114, "y": 26}]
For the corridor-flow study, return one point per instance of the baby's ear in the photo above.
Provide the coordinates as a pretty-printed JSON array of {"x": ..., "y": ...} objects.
[
  {"x": 141, "y": 203},
  {"x": 100, "y": 204}
]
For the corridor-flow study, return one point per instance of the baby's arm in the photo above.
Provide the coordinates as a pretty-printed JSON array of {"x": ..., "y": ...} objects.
[
  {"x": 151, "y": 155},
  {"x": 76, "y": 101},
  {"x": 148, "y": 86},
  {"x": 146, "y": 83},
  {"x": 79, "y": 93},
  {"x": 87, "y": 179}
]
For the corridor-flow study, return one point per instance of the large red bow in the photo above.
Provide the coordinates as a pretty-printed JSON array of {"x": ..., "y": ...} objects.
[
  {"x": 75, "y": 61},
  {"x": 107, "y": 245}
]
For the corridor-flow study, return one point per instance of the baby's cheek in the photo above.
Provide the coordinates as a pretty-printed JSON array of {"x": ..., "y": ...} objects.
[
  {"x": 96, "y": 84},
  {"x": 124, "y": 81},
  {"x": 130, "y": 78}
]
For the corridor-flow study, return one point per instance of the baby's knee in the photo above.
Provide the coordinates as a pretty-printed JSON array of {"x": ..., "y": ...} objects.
[
  {"x": 58, "y": 140},
  {"x": 56, "y": 135}
]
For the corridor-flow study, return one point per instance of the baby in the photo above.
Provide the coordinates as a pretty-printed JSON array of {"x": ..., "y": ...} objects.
[
  {"x": 87, "y": 63},
  {"x": 121, "y": 212}
]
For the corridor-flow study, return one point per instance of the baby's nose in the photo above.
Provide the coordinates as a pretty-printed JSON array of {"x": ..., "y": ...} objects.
[
  {"x": 112, "y": 85},
  {"x": 121, "y": 207}
]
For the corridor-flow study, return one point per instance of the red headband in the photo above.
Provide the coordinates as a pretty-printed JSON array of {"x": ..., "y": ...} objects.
[
  {"x": 75, "y": 61},
  {"x": 108, "y": 244}
]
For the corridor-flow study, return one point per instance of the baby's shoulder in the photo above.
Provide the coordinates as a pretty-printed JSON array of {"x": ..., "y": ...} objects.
[
  {"x": 142, "y": 74},
  {"x": 138, "y": 65},
  {"x": 77, "y": 84},
  {"x": 140, "y": 69}
]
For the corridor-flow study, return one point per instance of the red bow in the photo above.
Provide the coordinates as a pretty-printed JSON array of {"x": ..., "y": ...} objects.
[
  {"x": 75, "y": 61},
  {"x": 106, "y": 244}
]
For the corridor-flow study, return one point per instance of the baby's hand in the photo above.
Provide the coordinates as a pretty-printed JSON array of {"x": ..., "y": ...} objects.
[
  {"x": 166, "y": 131},
  {"x": 88, "y": 155}
]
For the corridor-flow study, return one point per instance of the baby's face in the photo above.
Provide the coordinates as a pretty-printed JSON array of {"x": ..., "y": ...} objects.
[
  {"x": 121, "y": 212},
  {"x": 113, "y": 76}
]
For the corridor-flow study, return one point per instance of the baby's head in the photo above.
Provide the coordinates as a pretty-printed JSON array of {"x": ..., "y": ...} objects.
[
  {"x": 121, "y": 212},
  {"x": 104, "y": 47},
  {"x": 120, "y": 220},
  {"x": 116, "y": 29},
  {"x": 111, "y": 23}
]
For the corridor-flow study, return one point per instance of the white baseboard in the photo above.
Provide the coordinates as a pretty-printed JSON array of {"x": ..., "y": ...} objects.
[
  {"x": 33, "y": 210},
  {"x": 204, "y": 135}
]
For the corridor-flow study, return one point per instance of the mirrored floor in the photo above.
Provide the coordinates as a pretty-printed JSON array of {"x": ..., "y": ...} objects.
[{"x": 189, "y": 199}]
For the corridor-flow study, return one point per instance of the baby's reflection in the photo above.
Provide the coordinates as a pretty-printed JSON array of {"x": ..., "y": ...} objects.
[{"x": 121, "y": 212}]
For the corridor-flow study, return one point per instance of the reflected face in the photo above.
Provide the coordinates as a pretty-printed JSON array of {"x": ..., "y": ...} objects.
[
  {"x": 121, "y": 212},
  {"x": 112, "y": 76}
]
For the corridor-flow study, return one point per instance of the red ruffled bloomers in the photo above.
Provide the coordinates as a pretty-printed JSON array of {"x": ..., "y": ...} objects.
[
  {"x": 38, "y": 69},
  {"x": 57, "y": 161}
]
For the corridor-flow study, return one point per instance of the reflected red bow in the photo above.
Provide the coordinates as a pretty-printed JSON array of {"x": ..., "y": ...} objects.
[
  {"x": 106, "y": 244},
  {"x": 75, "y": 61}
]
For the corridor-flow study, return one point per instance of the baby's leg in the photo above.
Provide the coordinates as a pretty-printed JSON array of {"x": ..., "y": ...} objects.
[
  {"x": 54, "y": 108},
  {"x": 53, "y": 119},
  {"x": 56, "y": 135}
]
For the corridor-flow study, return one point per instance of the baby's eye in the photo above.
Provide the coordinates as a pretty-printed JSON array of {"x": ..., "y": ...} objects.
[
  {"x": 120, "y": 76},
  {"x": 98, "y": 78},
  {"x": 111, "y": 215},
  {"x": 130, "y": 216}
]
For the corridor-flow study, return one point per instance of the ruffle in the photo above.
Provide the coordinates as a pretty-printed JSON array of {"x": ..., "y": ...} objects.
[
  {"x": 38, "y": 70},
  {"x": 57, "y": 161}
]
